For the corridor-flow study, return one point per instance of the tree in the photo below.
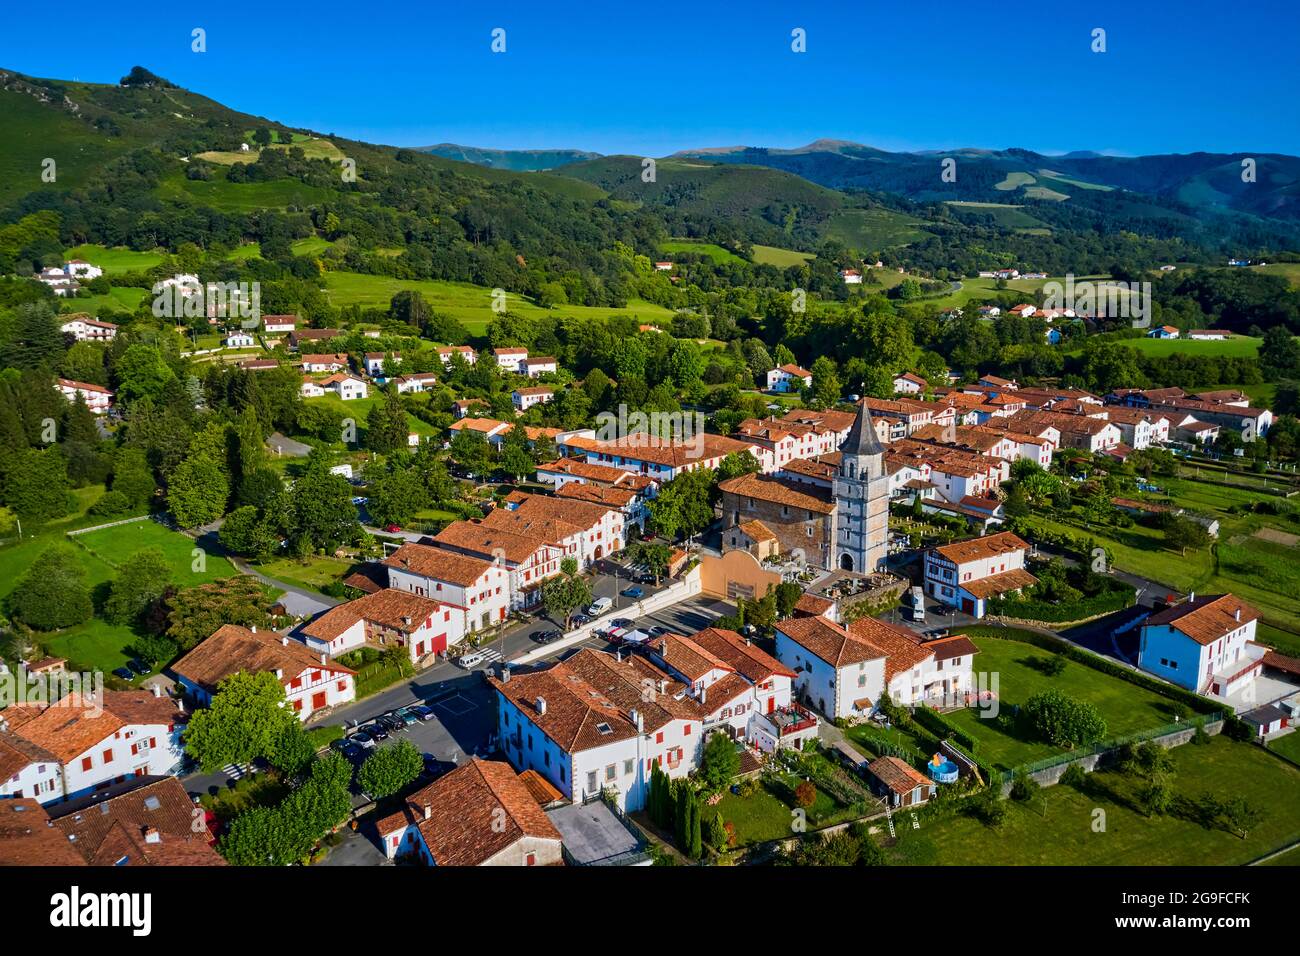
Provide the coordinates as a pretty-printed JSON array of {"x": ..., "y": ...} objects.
[
  {"x": 192, "y": 615},
  {"x": 53, "y": 593},
  {"x": 396, "y": 496},
  {"x": 566, "y": 592},
  {"x": 720, "y": 762},
  {"x": 1241, "y": 816},
  {"x": 469, "y": 449},
  {"x": 244, "y": 721},
  {"x": 36, "y": 487},
  {"x": 387, "y": 427},
  {"x": 788, "y": 594},
  {"x": 1063, "y": 720},
  {"x": 389, "y": 769},
  {"x": 654, "y": 556},
  {"x": 322, "y": 516},
  {"x": 197, "y": 491},
  {"x": 805, "y": 794},
  {"x": 141, "y": 582},
  {"x": 154, "y": 648},
  {"x": 245, "y": 531},
  {"x": 1182, "y": 534},
  {"x": 684, "y": 506},
  {"x": 133, "y": 477},
  {"x": 141, "y": 373},
  {"x": 826, "y": 386},
  {"x": 738, "y": 463}
]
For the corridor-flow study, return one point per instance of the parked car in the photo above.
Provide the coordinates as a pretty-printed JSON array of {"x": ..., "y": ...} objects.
[
  {"x": 139, "y": 667},
  {"x": 579, "y": 619},
  {"x": 433, "y": 767},
  {"x": 362, "y": 738},
  {"x": 408, "y": 715},
  {"x": 633, "y": 592},
  {"x": 471, "y": 660},
  {"x": 599, "y": 606},
  {"x": 658, "y": 630},
  {"x": 376, "y": 730},
  {"x": 123, "y": 673},
  {"x": 351, "y": 751},
  {"x": 391, "y": 526},
  {"x": 620, "y": 624},
  {"x": 393, "y": 721},
  {"x": 644, "y": 577},
  {"x": 424, "y": 713},
  {"x": 360, "y": 500},
  {"x": 546, "y": 637}
]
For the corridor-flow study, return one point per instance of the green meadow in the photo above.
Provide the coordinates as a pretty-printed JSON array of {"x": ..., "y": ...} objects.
[{"x": 470, "y": 304}]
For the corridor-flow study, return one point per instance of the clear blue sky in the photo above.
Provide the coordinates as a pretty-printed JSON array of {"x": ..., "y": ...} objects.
[{"x": 649, "y": 78}]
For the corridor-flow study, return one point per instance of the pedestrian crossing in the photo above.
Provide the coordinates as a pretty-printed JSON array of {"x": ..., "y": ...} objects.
[
  {"x": 236, "y": 770},
  {"x": 490, "y": 655}
]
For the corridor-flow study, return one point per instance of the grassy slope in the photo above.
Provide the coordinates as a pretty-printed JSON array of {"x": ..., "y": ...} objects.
[{"x": 1064, "y": 833}]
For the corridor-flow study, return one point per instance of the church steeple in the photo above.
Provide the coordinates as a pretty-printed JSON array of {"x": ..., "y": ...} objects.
[{"x": 862, "y": 438}]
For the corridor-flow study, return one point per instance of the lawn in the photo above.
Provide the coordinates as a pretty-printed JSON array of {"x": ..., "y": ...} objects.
[
  {"x": 1062, "y": 829},
  {"x": 696, "y": 247},
  {"x": 93, "y": 646},
  {"x": 1288, "y": 746},
  {"x": 470, "y": 304},
  {"x": 1126, "y": 708},
  {"x": 311, "y": 573},
  {"x": 781, "y": 258},
  {"x": 312, "y": 245},
  {"x": 115, "y": 545},
  {"x": 759, "y": 817},
  {"x": 1239, "y": 346},
  {"x": 220, "y": 194},
  {"x": 358, "y": 409},
  {"x": 118, "y": 299},
  {"x": 116, "y": 259}
]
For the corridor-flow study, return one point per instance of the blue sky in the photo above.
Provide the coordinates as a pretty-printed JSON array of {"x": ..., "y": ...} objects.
[{"x": 651, "y": 78}]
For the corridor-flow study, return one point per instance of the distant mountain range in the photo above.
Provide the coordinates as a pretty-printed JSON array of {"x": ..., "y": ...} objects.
[
  {"x": 518, "y": 160},
  {"x": 1186, "y": 182}
]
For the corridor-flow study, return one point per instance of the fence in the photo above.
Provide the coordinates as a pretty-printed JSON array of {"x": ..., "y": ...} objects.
[{"x": 111, "y": 524}]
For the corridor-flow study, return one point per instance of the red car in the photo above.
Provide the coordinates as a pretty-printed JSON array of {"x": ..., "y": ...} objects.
[{"x": 392, "y": 527}]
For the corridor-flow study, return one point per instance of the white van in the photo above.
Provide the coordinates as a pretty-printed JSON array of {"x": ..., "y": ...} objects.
[
  {"x": 599, "y": 607},
  {"x": 918, "y": 605}
]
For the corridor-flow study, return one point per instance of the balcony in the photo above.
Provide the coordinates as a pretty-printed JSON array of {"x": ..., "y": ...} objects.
[{"x": 792, "y": 720}]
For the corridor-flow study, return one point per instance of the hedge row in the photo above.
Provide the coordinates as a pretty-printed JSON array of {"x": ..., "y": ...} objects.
[
  {"x": 939, "y": 725},
  {"x": 1097, "y": 663},
  {"x": 1032, "y": 610}
]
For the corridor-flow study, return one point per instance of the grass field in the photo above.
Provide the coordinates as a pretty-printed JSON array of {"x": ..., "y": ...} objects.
[
  {"x": 1288, "y": 746},
  {"x": 1239, "y": 346},
  {"x": 312, "y": 573},
  {"x": 115, "y": 545},
  {"x": 116, "y": 259},
  {"x": 696, "y": 247},
  {"x": 1061, "y": 830},
  {"x": 781, "y": 258},
  {"x": 118, "y": 299},
  {"x": 358, "y": 409},
  {"x": 313, "y": 245},
  {"x": 225, "y": 196},
  {"x": 470, "y": 304},
  {"x": 871, "y": 229},
  {"x": 1125, "y": 707},
  {"x": 1007, "y": 215},
  {"x": 1289, "y": 269}
]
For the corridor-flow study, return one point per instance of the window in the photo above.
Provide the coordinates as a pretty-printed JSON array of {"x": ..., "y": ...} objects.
[
  {"x": 86, "y": 762},
  {"x": 686, "y": 732},
  {"x": 628, "y": 767},
  {"x": 108, "y": 755},
  {"x": 659, "y": 737},
  {"x": 530, "y": 859},
  {"x": 611, "y": 772},
  {"x": 591, "y": 781}
]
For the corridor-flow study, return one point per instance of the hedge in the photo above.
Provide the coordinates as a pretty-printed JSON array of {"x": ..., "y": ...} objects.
[
  {"x": 1088, "y": 659},
  {"x": 938, "y": 724},
  {"x": 1033, "y": 610}
]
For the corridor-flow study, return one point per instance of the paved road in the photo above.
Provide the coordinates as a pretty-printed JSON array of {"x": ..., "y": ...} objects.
[{"x": 297, "y": 601}]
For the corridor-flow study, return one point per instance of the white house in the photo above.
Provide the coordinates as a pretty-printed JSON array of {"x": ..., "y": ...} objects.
[
  {"x": 415, "y": 383},
  {"x": 909, "y": 383},
  {"x": 788, "y": 378},
  {"x": 346, "y": 386},
  {"x": 540, "y": 365},
  {"x": 477, "y": 590},
  {"x": 310, "y": 389},
  {"x": 374, "y": 362},
  {"x": 526, "y": 398},
  {"x": 1204, "y": 644},
  {"x": 279, "y": 323},
  {"x": 28, "y": 770},
  {"x": 312, "y": 682},
  {"x": 85, "y": 329},
  {"x": 1163, "y": 332},
  {"x": 238, "y": 340},
  {"x": 98, "y": 399},
  {"x": 846, "y": 671},
  {"x": 511, "y": 359},
  {"x": 480, "y": 814},
  {"x": 445, "y": 352},
  {"x": 966, "y": 574},
  {"x": 324, "y": 363},
  {"x": 597, "y": 723},
  {"x": 387, "y": 618},
  {"x": 81, "y": 269},
  {"x": 851, "y": 276},
  {"x": 97, "y": 742},
  {"x": 59, "y": 281}
]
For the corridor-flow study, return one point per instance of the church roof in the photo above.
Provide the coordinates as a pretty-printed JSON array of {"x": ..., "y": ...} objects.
[{"x": 862, "y": 438}]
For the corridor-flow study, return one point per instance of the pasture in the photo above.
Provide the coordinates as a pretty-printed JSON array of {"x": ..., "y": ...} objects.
[
  {"x": 116, "y": 259},
  {"x": 470, "y": 304},
  {"x": 781, "y": 258}
]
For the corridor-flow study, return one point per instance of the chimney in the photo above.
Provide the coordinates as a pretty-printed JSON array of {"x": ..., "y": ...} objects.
[
  {"x": 638, "y": 719},
  {"x": 663, "y": 686},
  {"x": 253, "y": 628},
  {"x": 428, "y": 811},
  {"x": 151, "y": 835},
  {"x": 1191, "y": 597},
  {"x": 284, "y": 641},
  {"x": 505, "y": 673},
  {"x": 704, "y": 695},
  {"x": 279, "y": 674},
  {"x": 541, "y": 705},
  {"x": 1237, "y": 614},
  {"x": 322, "y": 658},
  {"x": 157, "y": 690}
]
